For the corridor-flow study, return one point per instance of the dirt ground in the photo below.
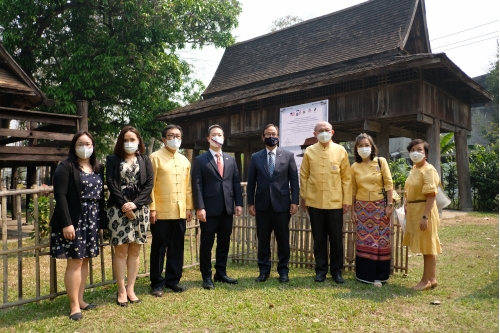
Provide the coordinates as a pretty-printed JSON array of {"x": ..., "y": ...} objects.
[{"x": 452, "y": 217}]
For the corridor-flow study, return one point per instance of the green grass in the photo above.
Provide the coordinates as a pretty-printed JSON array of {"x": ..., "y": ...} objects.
[
  {"x": 484, "y": 214},
  {"x": 468, "y": 292}
]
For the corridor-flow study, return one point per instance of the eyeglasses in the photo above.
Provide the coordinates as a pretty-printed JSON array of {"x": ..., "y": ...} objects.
[
  {"x": 171, "y": 136},
  {"x": 81, "y": 144},
  {"x": 268, "y": 135}
]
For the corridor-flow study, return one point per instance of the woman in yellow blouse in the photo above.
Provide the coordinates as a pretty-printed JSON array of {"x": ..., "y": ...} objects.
[
  {"x": 422, "y": 219},
  {"x": 373, "y": 215}
]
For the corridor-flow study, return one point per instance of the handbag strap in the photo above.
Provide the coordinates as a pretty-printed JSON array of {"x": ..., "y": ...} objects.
[{"x": 381, "y": 173}]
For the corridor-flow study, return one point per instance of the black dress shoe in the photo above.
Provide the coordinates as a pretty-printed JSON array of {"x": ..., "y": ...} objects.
[
  {"x": 284, "y": 278},
  {"x": 89, "y": 307},
  {"x": 122, "y": 304},
  {"x": 225, "y": 279},
  {"x": 319, "y": 278},
  {"x": 76, "y": 316},
  {"x": 337, "y": 277},
  {"x": 262, "y": 278},
  {"x": 208, "y": 284},
  {"x": 157, "y": 292},
  {"x": 176, "y": 288}
]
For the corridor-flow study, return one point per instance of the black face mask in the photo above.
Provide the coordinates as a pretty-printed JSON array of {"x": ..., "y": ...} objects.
[{"x": 271, "y": 142}]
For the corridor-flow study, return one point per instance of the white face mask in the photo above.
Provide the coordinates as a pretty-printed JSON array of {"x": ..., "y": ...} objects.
[
  {"x": 216, "y": 141},
  {"x": 174, "y": 143},
  {"x": 130, "y": 147},
  {"x": 417, "y": 157},
  {"x": 364, "y": 152},
  {"x": 84, "y": 152},
  {"x": 324, "y": 137}
]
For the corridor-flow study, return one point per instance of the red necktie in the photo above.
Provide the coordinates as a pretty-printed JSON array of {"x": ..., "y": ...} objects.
[{"x": 219, "y": 165}]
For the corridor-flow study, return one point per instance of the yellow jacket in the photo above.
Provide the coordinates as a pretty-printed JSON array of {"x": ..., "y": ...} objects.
[
  {"x": 171, "y": 192},
  {"x": 367, "y": 180},
  {"x": 325, "y": 177}
]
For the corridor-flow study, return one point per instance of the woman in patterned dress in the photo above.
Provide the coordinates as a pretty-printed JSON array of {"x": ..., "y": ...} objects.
[
  {"x": 79, "y": 210},
  {"x": 372, "y": 213},
  {"x": 129, "y": 175},
  {"x": 422, "y": 217}
]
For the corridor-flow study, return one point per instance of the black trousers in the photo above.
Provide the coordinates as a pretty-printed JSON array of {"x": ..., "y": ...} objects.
[
  {"x": 168, "y": 238},
  {"x": 222, "y": 226},
  {"x": 267, "y": 221},
  {"x": 326, "y": 225}
]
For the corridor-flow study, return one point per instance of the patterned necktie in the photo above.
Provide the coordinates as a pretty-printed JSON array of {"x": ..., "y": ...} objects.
[
  {"x": 271, "y": 163},
  {"x": 219, "y": 165}
]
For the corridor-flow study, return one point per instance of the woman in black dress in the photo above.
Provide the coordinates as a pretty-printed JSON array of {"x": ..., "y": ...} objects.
[
  {"x": 79, "y": 210},
  {"x": 129, "y": 175}
]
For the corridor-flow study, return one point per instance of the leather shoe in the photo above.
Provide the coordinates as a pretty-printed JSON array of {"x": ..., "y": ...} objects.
[
  {"x": 208, "y": 284},
  {"x": 284, "y": 278},
  {"x": 157, "y": 292},
  {"x": 76, "y": 316},
  {"x": 177, "y": 288},
  {"x": 122, "y": 304},
  {"x": 225, "y": 279},
  {"x": 136, "y": 301},
  {"x": 89, "y": 307},
  {"x": 337, "y": 277},
  {"x": 262, "y": 278},
  {"x": 319, "y": 278}
]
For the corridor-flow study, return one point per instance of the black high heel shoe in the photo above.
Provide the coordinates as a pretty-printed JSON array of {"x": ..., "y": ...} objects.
[
  {"x": 122, "y": 304},
  {"x": 134, "y": 302}
]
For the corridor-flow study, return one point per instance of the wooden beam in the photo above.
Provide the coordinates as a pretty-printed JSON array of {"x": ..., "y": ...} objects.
[
  {"x": 401, "y": 132},
  {"x": 448, "y": 127},
  {"x": 38, "y": 116},
  {"x": 339, "y": 136},
  {"x": 372, "y": 126},
  {"x": 241, "y": 144},
  {"x": 23, "y": 150},
  {"x": 463, "y": 170},
  {"x": 21, "y": 134},
  {"x": 25, "y": 158},
  {"x": 6, "y": 141},
  {"x": 425, "y": 118}
]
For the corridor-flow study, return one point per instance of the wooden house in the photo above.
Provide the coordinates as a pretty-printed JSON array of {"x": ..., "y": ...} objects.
[{"x": 373, "y": 62}]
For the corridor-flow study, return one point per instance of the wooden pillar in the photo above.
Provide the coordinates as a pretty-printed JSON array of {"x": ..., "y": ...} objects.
[
  {"x": 30, "y": 181},
  {"x": 463, "y": 171},
  {"x": 83, "y": 110},
  {"x": 434, "y": 141},
  {"x": 247, "y": 157},
  {"x": 189, "y": 155},
  {"x": 237, "y": 157},
  {"x": 382, "y": 141}
]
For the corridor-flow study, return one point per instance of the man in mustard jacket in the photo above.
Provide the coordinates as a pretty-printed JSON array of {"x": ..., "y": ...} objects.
[
  {"x": 325, "y": 191},
  {"x": 171, "y": 207}
]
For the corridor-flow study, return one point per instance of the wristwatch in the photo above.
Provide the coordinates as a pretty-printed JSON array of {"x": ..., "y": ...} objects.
[
  {"x": 425, "y": 217},
  {"x": 390, "y": 205}
]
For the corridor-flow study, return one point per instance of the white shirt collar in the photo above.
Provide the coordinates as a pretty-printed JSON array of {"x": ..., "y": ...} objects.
[
  {"x": 273, "y": 150},
  {"x": 213, "y": 152}
]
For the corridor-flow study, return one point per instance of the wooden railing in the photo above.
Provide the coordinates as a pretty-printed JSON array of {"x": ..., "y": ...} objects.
[{"x": 29, "y": 274}]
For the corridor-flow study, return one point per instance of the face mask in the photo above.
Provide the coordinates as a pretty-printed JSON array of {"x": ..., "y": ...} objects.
[
  {"x": 216, "y": 141},
  {"x": 130, "y": 147},
  {"x": 417, "y": 157},
  {"x": 364, "y": 152},
  {"x": 271, "y": 142},
  {"x": 324, "y": 137},
  {"x": 84, "y": 152},
  {"x": 174, "y": 144}
]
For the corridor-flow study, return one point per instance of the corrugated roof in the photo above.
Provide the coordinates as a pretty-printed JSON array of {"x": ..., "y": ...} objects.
[{"x": 369, "y": 28}]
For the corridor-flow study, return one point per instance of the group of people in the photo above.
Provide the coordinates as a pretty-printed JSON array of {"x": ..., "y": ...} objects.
[{"x": 162, "y": 190}]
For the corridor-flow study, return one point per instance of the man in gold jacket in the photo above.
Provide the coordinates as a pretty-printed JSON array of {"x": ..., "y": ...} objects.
[
  {"x": 171, "y": 207},
  {"x": 325, "y": 191}
]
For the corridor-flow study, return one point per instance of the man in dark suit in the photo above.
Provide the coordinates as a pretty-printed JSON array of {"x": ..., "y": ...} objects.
[
  {"x": 216, "y": 191},
  {"x": 274, "y": 171}
]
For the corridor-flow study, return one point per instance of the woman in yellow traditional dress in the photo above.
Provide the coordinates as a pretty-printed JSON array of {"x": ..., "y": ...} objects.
[{"x": 422, "y": 218}]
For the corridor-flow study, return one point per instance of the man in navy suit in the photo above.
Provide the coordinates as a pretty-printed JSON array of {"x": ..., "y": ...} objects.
[
  {"x": 216, "y": 191},
  {"x": 274, "y": 171}
]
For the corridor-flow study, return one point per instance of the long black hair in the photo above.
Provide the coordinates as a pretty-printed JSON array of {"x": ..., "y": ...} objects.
[{"x": 72, "y": 153}]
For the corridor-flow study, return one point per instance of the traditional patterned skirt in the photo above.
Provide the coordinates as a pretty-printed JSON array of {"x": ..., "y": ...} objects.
[{"x": 373, "y": 241}]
